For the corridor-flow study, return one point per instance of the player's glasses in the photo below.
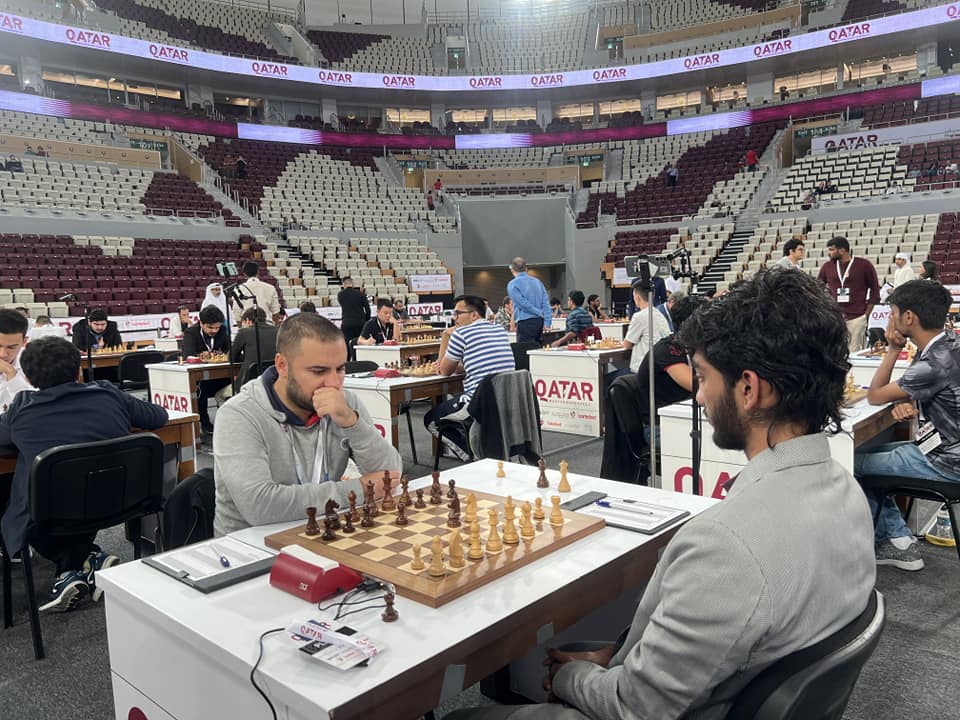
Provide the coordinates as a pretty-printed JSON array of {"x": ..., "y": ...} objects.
[{"x": 463, "y": 312}]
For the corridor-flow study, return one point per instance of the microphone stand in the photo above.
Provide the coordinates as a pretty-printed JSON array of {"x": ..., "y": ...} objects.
[
  {"x": 235, "y": 292},
  {"x": 86, "y": 318}
]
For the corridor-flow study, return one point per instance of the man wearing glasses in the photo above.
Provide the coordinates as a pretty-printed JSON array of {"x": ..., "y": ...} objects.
[{"x": 477, "y": 348}]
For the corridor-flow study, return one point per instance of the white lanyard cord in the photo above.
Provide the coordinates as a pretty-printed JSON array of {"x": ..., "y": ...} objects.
[
  {"x": 320, "y": 473},
  {"x": 846, "y": 274}
]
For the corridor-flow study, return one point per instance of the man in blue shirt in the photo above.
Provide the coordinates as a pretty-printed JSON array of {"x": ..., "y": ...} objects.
[
  {"x": 578, "y": 319},
  {"x": 479, "y": 348},
  {"x": 531, "y": 303}
]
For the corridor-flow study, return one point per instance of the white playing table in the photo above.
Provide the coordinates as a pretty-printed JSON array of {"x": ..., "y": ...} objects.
[
  {"x": 569, "y": 385},
  {"x": 399, "y": 354},
  {"x": 613, "y": 329},
  {"x": 174, "y": 386},
  {"x": 863, "y": 423},
  {"x": 177, "y": 654},
  {"x": 865, "y": 367}
]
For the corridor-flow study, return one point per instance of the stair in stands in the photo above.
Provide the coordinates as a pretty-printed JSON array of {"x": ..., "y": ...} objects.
[{"x": 725, "y": 260}]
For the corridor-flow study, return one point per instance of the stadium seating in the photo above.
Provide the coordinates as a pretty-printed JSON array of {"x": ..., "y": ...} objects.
[
  {"x": 764, "y": 247},
  {"x": 265, "y": 163},
  {"x": 945, "y": 250},
  {"x": 502, "y": 157},
  {"x": 169, "y": 194},
  {"x": 857, "y": 9},
  {"x": 50, "y": 183},
  {"x": 638, "y": 242},
  {"x": 402, "y": 55},
  {"x": 337, "y": 47}
]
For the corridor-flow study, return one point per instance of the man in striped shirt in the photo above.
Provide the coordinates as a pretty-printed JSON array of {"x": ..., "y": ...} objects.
[{"x": 477, "y": 348}]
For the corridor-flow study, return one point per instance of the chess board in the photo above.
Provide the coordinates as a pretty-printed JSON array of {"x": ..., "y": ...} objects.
[{"x": 385, "y": 550}]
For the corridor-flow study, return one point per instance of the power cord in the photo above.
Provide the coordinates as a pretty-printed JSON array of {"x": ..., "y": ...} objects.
[
  {"x": 253, "y": 682},
  {"x": 368, "y": 585}
]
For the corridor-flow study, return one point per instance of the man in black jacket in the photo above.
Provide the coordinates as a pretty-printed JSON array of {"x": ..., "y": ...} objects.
[
  {"x": 244, "y": 350},
  {"x": 59, "y": 413},
  {"x": 96, "y": 332},
  {"x": 354, "y": 309},
  {"x": 207, "y": 336}
]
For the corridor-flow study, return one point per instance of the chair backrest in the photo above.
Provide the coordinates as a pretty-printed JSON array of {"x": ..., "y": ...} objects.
[
  {"x": 189, "y": 510},
  {"x": 625, "y": 400},
  {"x": 512, "y": 427},
  {"x": 132, "y": 366},
  {"x": 255, "y": 370},
  {"x": 88, "y": 486},
  {"x": 590, "y": 332},
  {"x": 815, "y": 682},
  {"x": 360, "y": 366}
]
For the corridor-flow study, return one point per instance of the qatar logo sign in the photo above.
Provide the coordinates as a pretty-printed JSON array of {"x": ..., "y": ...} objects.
[
  {"x": 399, "y": 81},
  {"x": 850, "y": 32},
  {"x": 853, "y": 142},
  {"x": 610, "y": 74},
  {"x": 335, "y": 78},
  {"x": 88, "y": 38},
  {"x": 701, "y": 61},
  {"x": 486, "y": 83},
  {"x": 776, "y": 47},
  {"x": 953, "y": 11},
  {"x": 11, "y": 23},
  {"x": 564, "y": 390},
  {"x": 166, "y": 52},
  {"x": 546, "y": 80},
  {"x": 267, "y": 69}
]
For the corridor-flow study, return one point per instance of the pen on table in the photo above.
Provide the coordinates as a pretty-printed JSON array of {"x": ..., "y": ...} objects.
[
  {"x": 220, "y": 556},
  {"x": 623, "y": 505}
]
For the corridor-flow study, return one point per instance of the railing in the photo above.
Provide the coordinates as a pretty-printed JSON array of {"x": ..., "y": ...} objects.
[
  {"x": 176, "y": 212},
  {"x": 914, "y": 120}
]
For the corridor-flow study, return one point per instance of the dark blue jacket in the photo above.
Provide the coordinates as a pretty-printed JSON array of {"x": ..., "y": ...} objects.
[{"x": 62, "y": 415}]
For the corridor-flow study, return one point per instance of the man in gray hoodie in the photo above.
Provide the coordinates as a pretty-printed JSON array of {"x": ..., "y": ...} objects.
[{"x": 282, "y": 444}]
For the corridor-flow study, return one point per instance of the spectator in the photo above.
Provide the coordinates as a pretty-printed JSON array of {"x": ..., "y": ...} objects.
[
  {"x": 903, "y": 273},
  {"x": 578, "y": 319},
  {"x": 59, "y": 413},
  {"x": 793, "y": 252},
  {"x": 504, "y": 316},
  {"x": 208, "y": 336},
  {"x": 929, "y": 271},
  {"x": 672, "y": 174},
  {"x": 243, "y": 350},
  {"x": 477, "y": 347},
  {"x": 381, "y": 328},
  {"x": 638, "y": 339},
  {"x": 400, "y": 310},
  {"x": 45, "y": 328},
  {"x": 13, "y": 164},
  {"x": 354, "y": 308},
  {"x": 241, "y": 168},
  {"x": 752, "y": 160},
  {"x": 531, "y": 306},
  {"x": 430, "y": 205},
  {"x": 918, "y": 312},
  {"x": 41, "y": 152},
  {"x": 951, "y": 167},
  {"x": 853, "y": 282},
  {"x": 932, "y": 171},
  {"x": 308, "y": 307},
  {"x": 96, "y": 332},
  {"x": 30, "y": 151},
  {"x": 181, "y": 321},
  {"x": 216, "y": 297},
  {"x": 595, "y": 308},
  {"x": 254, "y": 287},
  {"x": 438, "y": 189}
]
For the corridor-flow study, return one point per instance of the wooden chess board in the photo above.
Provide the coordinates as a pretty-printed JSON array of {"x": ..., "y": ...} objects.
[{"x": 385, "y": 550}]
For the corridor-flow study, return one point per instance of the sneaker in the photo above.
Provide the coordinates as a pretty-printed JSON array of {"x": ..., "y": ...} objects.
[
  {"x": 95, "y": 562},
  {"x": 907, "y": 559},
  {"x": 68, "y": 589}
]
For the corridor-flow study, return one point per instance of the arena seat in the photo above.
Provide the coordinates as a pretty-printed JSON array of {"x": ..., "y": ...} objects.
[
  {"x": 171, "y": 192},
  {"x": 337, "y": 47}
]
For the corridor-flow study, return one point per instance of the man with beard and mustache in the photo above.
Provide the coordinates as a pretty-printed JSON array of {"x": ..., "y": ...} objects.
[
  {"x": 784, "y": 561},
  {"x": 283, "y": 443}
]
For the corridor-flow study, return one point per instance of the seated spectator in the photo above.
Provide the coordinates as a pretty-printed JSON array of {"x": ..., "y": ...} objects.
[
  {"x": 181, "y": 321},
  {"x": 208, "y": 336},
  {"x": 379, "y": 328},
  {"x": 932, "y": 171},
  {"x": 400, "y": 310},
  {"x": 30, "y": 151},
  {"x": 241, "y": 168},
  {"x": 595, "y": 307},
  {"x": 504, "y": 316},
  {"x": 929, "y": 271},
  {"x": 58, "y": 413},
  {"x": 283, "y": 443},
  {"x": 13, "y": 164},
  {"x": 43, "y": 327},
  {"x": 578, "y": 319},
  {"x": 308, "y": 307},
  {"x": 951, "y": 167},
  {"x": 931, "y": 387},
  {"x": 96, "y": 332},
  {"x": 40, "y": 151},
  {"x": 478, "y": 348},
  {"x": 244, "y": 350}
]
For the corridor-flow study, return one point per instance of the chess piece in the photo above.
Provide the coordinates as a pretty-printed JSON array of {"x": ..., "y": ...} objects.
[
  {"x": 455, "y": 543},
  {"x": 453, "y": 488},
  {"x": 471, "y": 514},
  {"x": 313, "y": 527},
  {"x": 509, "y": 509},
  {"x": 390, "y": 614},
  {"x": 419, "y": 504},
  {"x": 388, "y": 504},
  {"x": 476, "y": 549},
  {"x": 348, "y": 523},
  {"x": 328, "y": 533},
  {"x": 564, "y": 485},
  {"x": 538, "y": 513},
  {"x": 367, "y": 517},
  {"x": 436, "y": 492},
  {"x": 542, "y": 481},
  {"x": 453, "y": 517},
  {"x": 417, "y": 562},
  {"x": 526, "y": 526},
  {"x": 402, "y": 514},
  {"x": 330, "y": 513},
  {"x": 352, "y": 500},
  {"x": 556, "y": 516},
  {"x": 405, "y": 495},
  {"x": 500, "y": 472},
  {"x": 510, "y": 536},
  {"x": 436, "y": 559},
  {"x": 370, "y": 499},
  {"x": 494, "y": 545}
]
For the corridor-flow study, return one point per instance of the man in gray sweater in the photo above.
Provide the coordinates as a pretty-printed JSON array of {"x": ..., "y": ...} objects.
[
  {"x": 282, "y": 444},
  {"x": 785, "y": 560}
]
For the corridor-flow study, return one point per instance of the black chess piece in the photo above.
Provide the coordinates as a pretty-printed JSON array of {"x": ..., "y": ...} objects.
[
  {"x": 348, "y": 523},
  {"x": 367, "y": 517},
  {"x": 328, "y": 533},
  {"x": 419, "y": 504}
]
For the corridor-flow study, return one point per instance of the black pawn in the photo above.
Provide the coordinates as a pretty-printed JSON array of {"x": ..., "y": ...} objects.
[
  {"x": 367, "y": 520},
  {"x": 348, "y": 523},
  {"x": 328, "y": 533},
  {"x": 401, "y": 514},
  {"x": 420, "y": 504}
]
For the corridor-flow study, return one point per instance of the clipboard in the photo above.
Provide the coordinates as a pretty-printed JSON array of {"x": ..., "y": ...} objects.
[
  {"x": 201, "y": 567},
  {"x": 641, "y": 517}
]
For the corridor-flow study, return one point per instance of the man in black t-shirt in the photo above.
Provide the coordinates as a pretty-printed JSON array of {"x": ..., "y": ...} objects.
[
  {"x": 377, "y": 330},
  {"x": 672, "y": 375}
]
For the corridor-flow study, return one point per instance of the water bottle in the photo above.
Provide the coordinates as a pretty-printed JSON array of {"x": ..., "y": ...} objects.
[{"x": 941, "y": 532}]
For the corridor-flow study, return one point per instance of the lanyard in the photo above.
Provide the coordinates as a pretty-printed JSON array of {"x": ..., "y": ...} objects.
[
  {"x": 207, "y": 340},
  {"x": 320, "y": 474},
  {"x": 843, "y": 278}
]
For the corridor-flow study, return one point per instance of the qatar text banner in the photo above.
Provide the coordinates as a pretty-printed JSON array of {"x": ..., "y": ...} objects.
[
  {"x": 430, "y": 284},
  {"x": 900, "y": 134},
  {"x": 198, "y": 59}
]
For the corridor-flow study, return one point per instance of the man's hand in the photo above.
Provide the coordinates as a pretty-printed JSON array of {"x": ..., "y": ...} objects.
[
  {"x": 556, "y": 659},
  {"x": 331, "y": 402},
  {"x": 895, "y": 341},
  {"x": 8, "y": 369},
  {"x": 904, "y": 411}
]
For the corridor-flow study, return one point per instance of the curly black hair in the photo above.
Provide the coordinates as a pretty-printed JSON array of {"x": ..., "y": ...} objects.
[
  {"x": 50, "y": 361},
  {"x": 783, "y": 326}
]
